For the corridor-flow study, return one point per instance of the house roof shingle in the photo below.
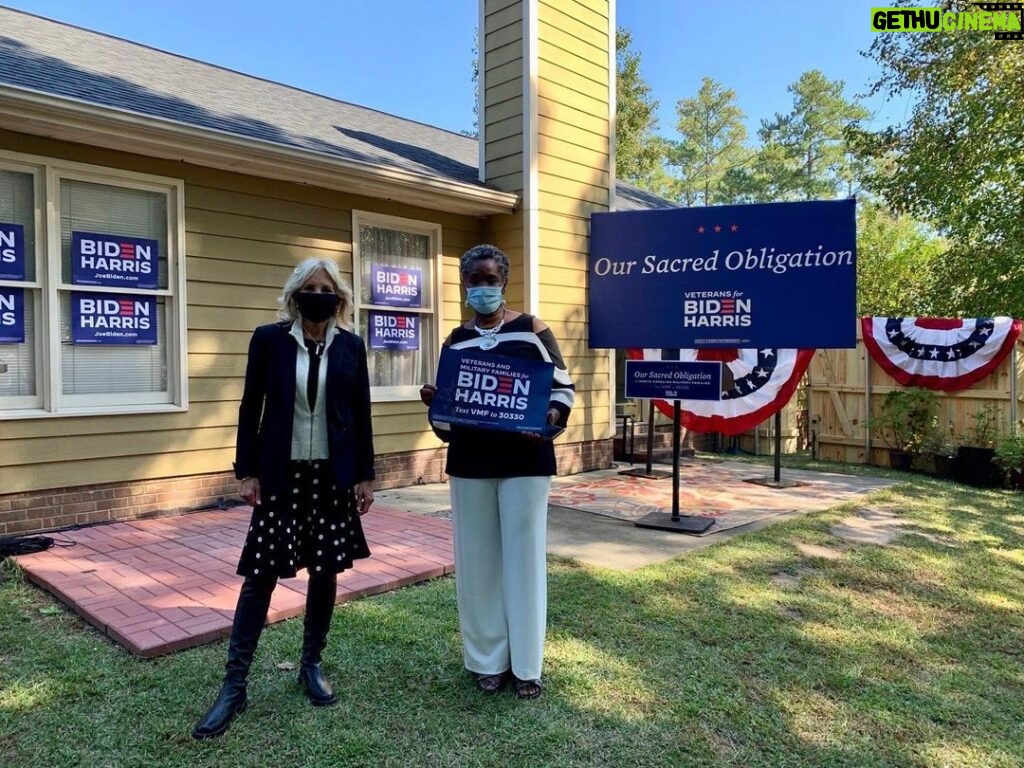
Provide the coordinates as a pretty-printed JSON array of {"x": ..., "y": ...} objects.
[
  {"x": 62, "y": 60},
  {"x": 56, "y": 59}
]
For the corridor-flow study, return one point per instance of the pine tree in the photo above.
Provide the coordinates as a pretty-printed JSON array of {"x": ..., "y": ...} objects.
[
  {"x": 712, "y": 144},
  {"x": 638, "y": 152}
]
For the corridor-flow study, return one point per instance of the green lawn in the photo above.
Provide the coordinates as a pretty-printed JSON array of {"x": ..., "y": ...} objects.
[{"x": 902, "y": 655}]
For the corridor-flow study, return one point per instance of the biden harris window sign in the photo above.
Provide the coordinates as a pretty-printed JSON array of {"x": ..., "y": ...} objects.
[
  {"x": 105, "y": 318},
  {"x": 396, "y": 286},
  {"x": 12, "y": 252},
  {"x": 123, "y": 262},
  {"x": 394, "y": 330},
  {"x": 12, "y": 316},
  {"x": 12, "y": 267}
]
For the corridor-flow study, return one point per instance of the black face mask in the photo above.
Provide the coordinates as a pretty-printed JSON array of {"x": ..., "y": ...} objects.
[{"x": 316, "y": 307}]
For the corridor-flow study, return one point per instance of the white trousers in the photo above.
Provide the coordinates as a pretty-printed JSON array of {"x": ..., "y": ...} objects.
[{"x": 500, "y": 531}]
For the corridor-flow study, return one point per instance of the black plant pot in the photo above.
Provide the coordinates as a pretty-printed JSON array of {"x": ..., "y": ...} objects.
[
  {"x": 924, "y": 463},
  {"x": 975, "y": 466},
  {"x": 1015, "y": 479},
  {"x": 945, "y": 465},
  {"x": 900, "y": 460}
]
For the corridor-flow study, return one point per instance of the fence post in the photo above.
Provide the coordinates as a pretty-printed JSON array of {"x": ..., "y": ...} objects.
[
  {"x": 1013, "y": 389},
  {"x": 867, "y": 405}
]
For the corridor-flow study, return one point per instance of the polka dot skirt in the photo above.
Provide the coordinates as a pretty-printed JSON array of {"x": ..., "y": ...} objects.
[{"x": 312, "y": 525}]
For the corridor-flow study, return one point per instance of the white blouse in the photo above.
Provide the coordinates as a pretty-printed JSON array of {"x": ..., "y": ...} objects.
[{"x": 309, "y": 430}]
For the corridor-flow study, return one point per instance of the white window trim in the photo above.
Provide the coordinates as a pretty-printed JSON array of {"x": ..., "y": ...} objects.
[
  {"x": 50, "y": 402},
  {"x": 416, "y": 226},
  {"x": 32, "y": 403}
]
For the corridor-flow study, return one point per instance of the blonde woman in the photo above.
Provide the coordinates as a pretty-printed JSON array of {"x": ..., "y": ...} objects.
[{"x": 304, "y": 461}]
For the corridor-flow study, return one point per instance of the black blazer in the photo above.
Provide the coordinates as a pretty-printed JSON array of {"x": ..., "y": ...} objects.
[{"x": 264, "y": 444}]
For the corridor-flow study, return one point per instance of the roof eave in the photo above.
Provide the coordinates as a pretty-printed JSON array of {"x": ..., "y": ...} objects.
[{"x": 54, "y": 117}]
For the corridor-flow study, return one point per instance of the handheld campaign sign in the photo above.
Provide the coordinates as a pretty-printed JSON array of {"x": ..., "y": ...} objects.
[
  {"x": 673, "y": 380},
  {"x": 736, "y": 276},
  {"x": 477, "y": 389},
  {"x": 12, "y": 252},
  {"x": 125, "y": 262}
]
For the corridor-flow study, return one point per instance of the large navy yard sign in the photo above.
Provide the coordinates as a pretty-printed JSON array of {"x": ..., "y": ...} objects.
[{"x": 737, "y": 276}]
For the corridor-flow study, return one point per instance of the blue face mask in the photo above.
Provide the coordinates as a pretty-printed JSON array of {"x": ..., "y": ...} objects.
[{"x": 485, "y": 299}]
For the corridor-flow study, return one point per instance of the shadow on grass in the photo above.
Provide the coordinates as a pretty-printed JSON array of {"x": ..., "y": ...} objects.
[
  {"x": 906, "y": 655},
  {"x": 887, "y": 656}
]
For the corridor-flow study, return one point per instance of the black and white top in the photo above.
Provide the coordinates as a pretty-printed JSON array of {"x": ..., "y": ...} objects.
[{"x": 489, "y": 453}]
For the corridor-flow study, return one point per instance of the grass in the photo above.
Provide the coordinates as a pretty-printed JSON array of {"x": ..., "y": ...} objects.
[{"x": 900, "y": 655}]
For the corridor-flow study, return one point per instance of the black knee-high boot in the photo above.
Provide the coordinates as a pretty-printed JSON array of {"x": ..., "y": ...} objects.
[
  {"x": 320, "y": 595},
  {"x": 250, "y": 616}
]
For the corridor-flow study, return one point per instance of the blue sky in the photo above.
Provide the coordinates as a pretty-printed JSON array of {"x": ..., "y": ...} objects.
[{"x": 413, "y": 57}]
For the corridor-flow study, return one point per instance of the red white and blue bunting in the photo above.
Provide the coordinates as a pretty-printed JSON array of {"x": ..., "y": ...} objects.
[
  {"x": 945, "y": 354},
  {"x": 756, "y": 383}
]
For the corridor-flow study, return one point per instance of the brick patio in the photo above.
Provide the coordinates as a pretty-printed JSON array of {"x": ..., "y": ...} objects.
[{"x": 162, "y": 585}]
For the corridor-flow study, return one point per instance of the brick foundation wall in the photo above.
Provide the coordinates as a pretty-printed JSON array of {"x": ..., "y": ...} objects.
[
  {"x": 84, "y": 505},
  {"x": 583, "y": 457},
  {"x": 65, "y": 507}
]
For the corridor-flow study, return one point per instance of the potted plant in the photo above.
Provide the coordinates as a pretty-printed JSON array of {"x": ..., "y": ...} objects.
[
  {"x": 945, "y": 460},
  {"x": 975, "y": 458},
  {"x": 1009, "y": 457},
  {"x": 938, "y": 451},
  {"x": 905, "y": 419}
]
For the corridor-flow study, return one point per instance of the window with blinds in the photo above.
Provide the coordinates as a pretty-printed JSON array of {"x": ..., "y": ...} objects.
[
  {"x": 19, "y": 362},
  {"x": 118, "y": 212},
  {"x": 397, "y": 287},
  {"x": 57, "y": 361}
]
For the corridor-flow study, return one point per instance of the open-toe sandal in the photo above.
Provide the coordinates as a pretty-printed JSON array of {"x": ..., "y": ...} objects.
[
  {"x": 491, "y": 684},
  {"x": 528, "y": 689}
]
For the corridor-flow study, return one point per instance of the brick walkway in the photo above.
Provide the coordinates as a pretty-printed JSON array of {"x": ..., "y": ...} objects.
[{"x": 162, "y": 585}]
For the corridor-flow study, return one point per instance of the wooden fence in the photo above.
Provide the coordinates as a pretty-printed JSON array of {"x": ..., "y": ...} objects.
[{"x": 847, "y": 386}]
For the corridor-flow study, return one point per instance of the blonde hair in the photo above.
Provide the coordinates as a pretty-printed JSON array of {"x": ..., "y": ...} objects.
[{"x": 302, "y": 272}]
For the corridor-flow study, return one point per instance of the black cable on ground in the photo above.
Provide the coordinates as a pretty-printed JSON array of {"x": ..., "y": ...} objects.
[{"x": 11, "y": 546}]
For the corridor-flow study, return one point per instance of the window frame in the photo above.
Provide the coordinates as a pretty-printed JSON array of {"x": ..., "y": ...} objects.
[
  {"x": 31, "y": 403},
  {"x": 50, "y": 400},
  {"x": 432, "y": 230}
]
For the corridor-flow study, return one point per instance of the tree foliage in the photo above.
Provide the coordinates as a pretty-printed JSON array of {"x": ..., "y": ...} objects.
[
  {"x": 475, "y": 63},
  {"x": 958, "y": 161},
  {"x": 638, "y": 152},
  {"x": 713, "y": 143},
  {"x": 896, "y": 262},
  {"x": 805, "y": 154}
]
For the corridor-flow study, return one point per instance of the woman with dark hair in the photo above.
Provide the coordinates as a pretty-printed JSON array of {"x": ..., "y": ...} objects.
[
  {"x": 304, "y": 460},
  {"x": 499, "y": 483}
]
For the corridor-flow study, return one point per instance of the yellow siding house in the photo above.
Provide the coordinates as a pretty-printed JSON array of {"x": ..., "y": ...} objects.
[{"x": 231, "y": 180}]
